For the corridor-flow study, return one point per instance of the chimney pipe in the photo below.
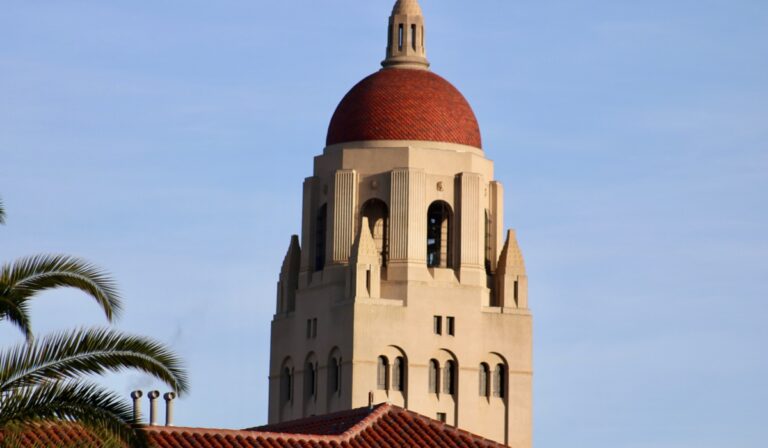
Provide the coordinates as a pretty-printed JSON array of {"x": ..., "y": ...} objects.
[
  {"x": 136, "y": 396},
  {"x": 169, "y": 397},
  {"x": 153, "y": 395}
]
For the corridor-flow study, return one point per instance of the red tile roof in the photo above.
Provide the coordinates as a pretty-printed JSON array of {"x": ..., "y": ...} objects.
[
  {"x": 404, "y": 104},
  {"x": 383, "y": 426}
]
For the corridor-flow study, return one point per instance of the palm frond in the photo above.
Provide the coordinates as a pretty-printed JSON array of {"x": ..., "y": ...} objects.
[
  {"x": 87, "y": 404},
  {"x": 70, "y": 354},
  {"x": 17, "y": 312},
  {"x": 24, "y": 278},
  {"x": 2, "y": 212}
]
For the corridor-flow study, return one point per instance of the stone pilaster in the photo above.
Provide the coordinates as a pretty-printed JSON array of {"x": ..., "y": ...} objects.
[
  {"x": 472, "y": 230},
  {"x": 408, "y": 220},
  {"x": 307, "y": 230},
  {"x": 344, "y": 212}
]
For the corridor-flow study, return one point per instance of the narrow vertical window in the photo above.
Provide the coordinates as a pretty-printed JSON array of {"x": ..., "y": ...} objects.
[
  {"x": 286, "y": 383},
  {"x": 400, "y": 37},
  {"x": 499, "y": 381},
  {"x": 450, "y": 321},
  {"x": 310, "y": 380},
  {"x": 516, "y": 292},
  {"x": 398, "y": 374},
  {"x": 309, "y": 328},
  {"x": 314, "y": 328},
  {"x": 434, "y": 368},
  {"x": 449, "y": 378},
  {"x": 488, "y": 249},
  {"x": 377, "y": 213},
  {"x": 439, "y": 230},
  {"x": 381, "y": 373},
  {"x": 437, "y": 324},
  {"x": 334, "y": 379},
  {"x": 413, "y": 37},
  {"x": 320, "y": 235},
  {"x": 485, "y": 376}
]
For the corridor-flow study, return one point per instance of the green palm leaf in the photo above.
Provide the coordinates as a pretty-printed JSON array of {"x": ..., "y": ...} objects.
[
  {"x": 70, "y": 354},
  {"x": 92, "y": 407},
  {"x": 22, "y": 279},
  {"x": 2, "y": 212}
]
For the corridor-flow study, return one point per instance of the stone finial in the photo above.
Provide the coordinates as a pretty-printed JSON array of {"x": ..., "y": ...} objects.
[
  {"x": 511, "y": 283},
  {"x": 289, "y": 277},
  {"x": 511, "y": 258},
  {"x": 405, "y": 39},
  {"x": 365, "y": 265}
]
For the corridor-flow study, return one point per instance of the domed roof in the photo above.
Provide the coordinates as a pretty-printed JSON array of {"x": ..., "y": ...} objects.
[{"x": 404, "y": 104}]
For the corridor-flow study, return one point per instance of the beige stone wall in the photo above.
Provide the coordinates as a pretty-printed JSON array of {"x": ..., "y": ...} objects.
[{"x": 358, "y": 322}]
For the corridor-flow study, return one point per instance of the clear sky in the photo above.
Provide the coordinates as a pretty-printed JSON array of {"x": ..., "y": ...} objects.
[{"x": 167, "y": 141}]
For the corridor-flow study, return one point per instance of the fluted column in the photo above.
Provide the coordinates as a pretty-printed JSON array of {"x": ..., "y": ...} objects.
[
  {"x": 408, "y": 222},
  {"x": 472, "y": 230},
  {"x": 344, "y": 211}
]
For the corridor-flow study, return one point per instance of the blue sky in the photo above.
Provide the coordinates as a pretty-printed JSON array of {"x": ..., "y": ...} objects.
[{"x": 167, "y": 142}]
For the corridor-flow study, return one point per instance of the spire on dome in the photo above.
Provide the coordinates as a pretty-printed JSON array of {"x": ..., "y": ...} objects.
[{"x": 405, "y": 39}]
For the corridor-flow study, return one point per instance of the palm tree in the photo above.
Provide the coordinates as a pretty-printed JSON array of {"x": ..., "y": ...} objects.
[
  {"x": 2, "y": 212},
  {"x": 44, "y": 380},
  {"x": 25, "y": 278}
]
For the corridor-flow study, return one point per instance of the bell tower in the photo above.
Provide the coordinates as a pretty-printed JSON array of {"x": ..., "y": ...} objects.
[{"x": 404, "y": 284}]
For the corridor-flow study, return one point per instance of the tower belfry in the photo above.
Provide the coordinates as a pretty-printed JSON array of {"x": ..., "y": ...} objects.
[{"x": 404, "y": 283}]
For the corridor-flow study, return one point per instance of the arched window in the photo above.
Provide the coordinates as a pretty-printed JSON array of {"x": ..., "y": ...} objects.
[
  {"x": 381, "y": 373},
  {"x": 286, "y": 385},
  {"x": 499, "y": 380},
  {"x": 485, "y": 376},
  {"x": 398, "y": 374},
  {"x": 449, "y": 378},
  {"x": 377, "y": 213},
  {"x": 334, "y": 376},
  {"x": 310, "y": 380},
  {"x": 321, "y": 226},
  {"x": 434, "y": 369},
  {"x": 439, "y": 235}
]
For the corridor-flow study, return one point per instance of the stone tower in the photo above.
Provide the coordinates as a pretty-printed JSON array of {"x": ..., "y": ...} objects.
[{"x": 404, "y": 285}]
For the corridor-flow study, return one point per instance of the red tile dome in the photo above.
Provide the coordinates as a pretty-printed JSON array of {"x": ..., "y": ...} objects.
[{"x": 403, "y": 104}]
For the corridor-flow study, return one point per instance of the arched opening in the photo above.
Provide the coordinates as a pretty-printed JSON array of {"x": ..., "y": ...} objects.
[
  {"x": 382, "y": 371},
  {"x": 434, "y": 369},
  {"x": 499, "y": 381},
  {"x": 439, "y": 235},
  {"x": 377, "y": 213},
  {"x": 398, "y": 374},
  {"x": 310, "y": 380},
  {"x": 449, "y": 378},
  {"x": 321, "y": 227},
  {"x": 286, "y": 385},
  {"x": 484, "y": 380},
  {"x": 334, "y": 376}
]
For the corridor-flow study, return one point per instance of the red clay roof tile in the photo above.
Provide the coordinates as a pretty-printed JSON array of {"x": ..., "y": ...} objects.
[
  {"x": 403, "y": 104},
  {"x": 381, "y": 427}
]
